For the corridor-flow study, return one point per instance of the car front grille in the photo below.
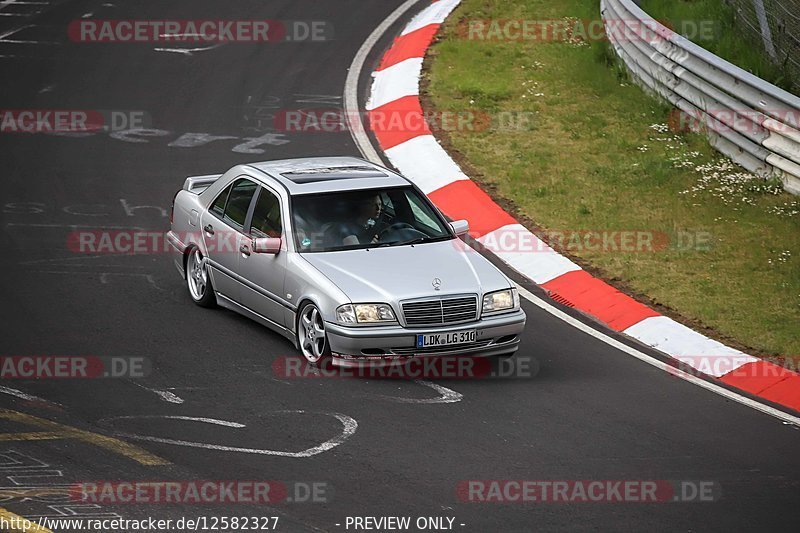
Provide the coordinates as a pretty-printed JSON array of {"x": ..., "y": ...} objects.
[{"x": 440, "y": 311}]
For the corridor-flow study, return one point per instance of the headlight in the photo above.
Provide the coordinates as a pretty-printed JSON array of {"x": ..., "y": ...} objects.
[
  {"x": 365, "y": 313},
  {"x": 504, "y": 300}
]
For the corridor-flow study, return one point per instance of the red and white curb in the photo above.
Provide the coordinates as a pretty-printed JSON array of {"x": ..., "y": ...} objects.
[{"x": 417, "y": 155}]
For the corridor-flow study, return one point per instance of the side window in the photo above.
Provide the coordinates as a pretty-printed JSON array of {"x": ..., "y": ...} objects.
[
  {"x": 422, "y": 212},
  {"x": 218, "y": 206},
  {"x": 239, "y": 202},
  {"x": 267, "y": 215}
]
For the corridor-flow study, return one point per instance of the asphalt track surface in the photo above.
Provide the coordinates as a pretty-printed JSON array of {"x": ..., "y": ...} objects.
[{"x": 588, "y": 412}]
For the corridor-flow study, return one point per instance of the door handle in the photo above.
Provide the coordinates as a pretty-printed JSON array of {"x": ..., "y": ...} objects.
[
  {"x": 209, "y": 229},
  {"x": 244, "y": 249}
]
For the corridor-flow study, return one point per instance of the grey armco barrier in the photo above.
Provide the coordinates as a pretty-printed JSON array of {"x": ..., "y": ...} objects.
[{"x": 751, "y": 121}]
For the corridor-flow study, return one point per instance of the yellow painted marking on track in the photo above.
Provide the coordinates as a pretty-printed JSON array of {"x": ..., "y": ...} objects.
[
  {"x": 61, "y": 431},
  {"x": 36, "y": 492},
  {"x": 16, "y": 524},
  {"x": 33, "y": 435}
]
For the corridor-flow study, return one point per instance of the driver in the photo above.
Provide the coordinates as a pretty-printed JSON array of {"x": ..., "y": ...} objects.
[{"x": 366, "y": 221}]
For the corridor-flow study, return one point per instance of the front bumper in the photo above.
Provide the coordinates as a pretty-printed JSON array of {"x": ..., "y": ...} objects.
[{"x": 353, "y": 346}]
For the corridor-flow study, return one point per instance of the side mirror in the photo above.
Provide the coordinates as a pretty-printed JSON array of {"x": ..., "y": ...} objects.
[
  {"x": 460, "y": 227},
  {"x": 267, "y": 245}
]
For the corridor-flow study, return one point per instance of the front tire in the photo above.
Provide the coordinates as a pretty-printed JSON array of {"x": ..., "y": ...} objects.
[
  {"x": 311, "y": 336},
  {"x": 198, "y": 281}
]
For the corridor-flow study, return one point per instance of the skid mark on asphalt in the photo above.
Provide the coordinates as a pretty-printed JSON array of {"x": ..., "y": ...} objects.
[
  {"x": 149, "y": 277},
  {"x": 104, "y": 278},
  {"x": 54, "y": 430},
  {"x": 68, "y": 262},
  {"x": 349, "y": 427}
]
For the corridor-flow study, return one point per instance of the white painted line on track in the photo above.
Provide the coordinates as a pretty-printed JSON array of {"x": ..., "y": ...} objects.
[
  {"x": 188, "y": 51},
  {"x": 349, "y": 427},
  {"x": 4, "y": 36},
  {"x": 20, "y": 394},
  {"x": 445, "y": 395},
  {"x": 25, "y": 396},
  {"x": 12, "y": 32},
  {"x": 215, "y": 421},
  {"x": 167, "y": 396}
]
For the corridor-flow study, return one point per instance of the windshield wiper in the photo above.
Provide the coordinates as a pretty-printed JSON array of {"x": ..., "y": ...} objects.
[{"x": 415, "y": 240}]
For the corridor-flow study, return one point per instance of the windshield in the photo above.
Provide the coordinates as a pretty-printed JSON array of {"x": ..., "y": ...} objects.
[{"x": 365, "y": 219}]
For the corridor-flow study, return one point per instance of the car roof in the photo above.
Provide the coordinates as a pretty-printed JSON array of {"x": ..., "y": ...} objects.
[{"x": 309, "y": 175}]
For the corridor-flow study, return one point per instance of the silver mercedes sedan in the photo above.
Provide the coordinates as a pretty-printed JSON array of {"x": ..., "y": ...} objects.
[{"x": 347, "y": 259}]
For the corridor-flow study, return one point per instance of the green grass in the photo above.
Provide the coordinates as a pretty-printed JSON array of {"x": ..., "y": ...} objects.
[
  {"x": 712, "y": 25},
  {"x": 594, "y": 159}
]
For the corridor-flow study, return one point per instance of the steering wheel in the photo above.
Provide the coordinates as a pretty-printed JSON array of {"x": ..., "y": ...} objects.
[
  {"x": 397, "y": 226},
  {"x": 403, "y": 229}
]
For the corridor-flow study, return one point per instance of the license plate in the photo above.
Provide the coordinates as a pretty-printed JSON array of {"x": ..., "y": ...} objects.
[{"x": 445, "y": 339}]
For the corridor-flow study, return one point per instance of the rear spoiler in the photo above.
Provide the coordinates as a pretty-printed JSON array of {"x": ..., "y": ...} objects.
[{"x": 197, "y": 184}]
